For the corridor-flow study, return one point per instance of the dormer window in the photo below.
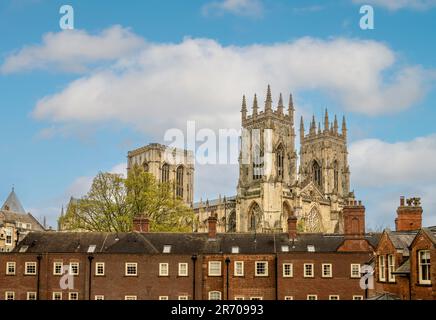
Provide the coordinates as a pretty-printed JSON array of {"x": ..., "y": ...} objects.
[
  {"x": 166, "y": 249},
  {"x": 235, "y": 249}
]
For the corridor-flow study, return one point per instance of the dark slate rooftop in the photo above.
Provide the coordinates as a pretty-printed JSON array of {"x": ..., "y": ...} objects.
[
  {"x": 404, "y": 268},
  {"x": 402, "y": 239},
  {"x": 13, "y": 204},
  {"x": 14, "y": 217},
  {"x": 431, "y": 232},
  {"x": 181, "y": 243}
]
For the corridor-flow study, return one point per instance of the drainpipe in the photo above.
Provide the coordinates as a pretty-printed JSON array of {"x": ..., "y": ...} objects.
[
  {"x": 277, "y": 276},
  {"x": 227, "y": 277},
  {"x": 90, "y": 258},
  {"x": 194, "y": 259},
  {"x": 39, "y": 258}
]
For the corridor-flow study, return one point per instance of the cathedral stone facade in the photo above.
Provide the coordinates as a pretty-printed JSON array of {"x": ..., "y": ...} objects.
[
  {"x": 170, "y": 165},
  {"x": 271, "y": 187}
]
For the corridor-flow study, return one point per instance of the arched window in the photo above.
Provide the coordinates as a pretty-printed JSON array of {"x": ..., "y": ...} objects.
[
  {"x": 316, "y": 172},
  {"x": 165, "y": 173},
  {"x": 145, "y": 165},
  {"x": 179, "y": 182},
  {"x": 231, "y": 226},
  {"x": 280, "y": 154},
  {"x": 254, "y": 218},
  {"x": 336, "y": 176}
]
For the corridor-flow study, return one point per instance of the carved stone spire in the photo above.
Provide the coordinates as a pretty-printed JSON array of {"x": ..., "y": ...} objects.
[
  {"x": 312, "y": 129},
  {"x": 326, "y": 120},
  {"x": 244, "y": 108},
  {"x": 268, "y": 101},
  {"x": 344, "y": 128},
  {"x": 301, "y": 129},
  {"x": 335, "y": 126},
  {"x": 291, "y": 109},
  {"x": 280, "y": 105},
  {"x": 255, "y": 107},
  {"x": 319, "y": 127}
]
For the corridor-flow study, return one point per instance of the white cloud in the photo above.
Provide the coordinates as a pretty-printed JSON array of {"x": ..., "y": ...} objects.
[
  {"x": 376, "y": 163},
  {"x": 383, "y": 171},
  {"x": 400, "y": 4},
  {"x": 253, "y": 8},
  {"x": 73, "y": 50},
  {"x": 203, "y": 80}
]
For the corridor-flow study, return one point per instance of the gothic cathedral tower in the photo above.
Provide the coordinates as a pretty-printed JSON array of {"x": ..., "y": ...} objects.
[
  {"x": 324, "y": 157},
  {"x": 267, "y": 166}
]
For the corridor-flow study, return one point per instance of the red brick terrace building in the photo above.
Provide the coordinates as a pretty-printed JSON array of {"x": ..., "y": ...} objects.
[{"x": 198, "y": 266}]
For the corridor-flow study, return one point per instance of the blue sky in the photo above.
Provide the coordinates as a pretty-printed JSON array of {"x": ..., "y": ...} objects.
[{"x": 138, "y": 69}]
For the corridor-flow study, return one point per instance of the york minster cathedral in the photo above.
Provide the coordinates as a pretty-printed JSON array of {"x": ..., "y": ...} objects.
[{"x": 314, "y": 189}]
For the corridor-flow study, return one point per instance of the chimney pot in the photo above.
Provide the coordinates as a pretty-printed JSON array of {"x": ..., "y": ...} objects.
[{"x": 402, "y": 201}]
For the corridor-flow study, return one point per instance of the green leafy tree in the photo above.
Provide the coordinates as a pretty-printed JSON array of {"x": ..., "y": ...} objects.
[{"x": 113, "y": 201}]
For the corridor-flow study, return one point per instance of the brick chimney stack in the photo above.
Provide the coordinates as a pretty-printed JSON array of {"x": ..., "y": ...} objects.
[
  {"x": 212, "y": 227},
  {"x": 354, "y": 218},
  {"x": 292, "y": 227},
  {"x": 141, "y": 224},
  {"x": 409, "y": 215}
]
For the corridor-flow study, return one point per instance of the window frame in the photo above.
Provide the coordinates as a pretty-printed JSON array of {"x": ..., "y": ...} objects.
[
  {"x": 163, "y": 298},
  {"x": 352, "y": 275},
  {"x": 235, "y": 273},
  {"x": 27, "y": 265},
  {"x": 99, "y": 297},
  {"x": 183, "y": 297},
  {"x": 289, "y": 298},
  {"x": 214, "y": 292},
  {"x": 183, "y": 274},
  {"x": 291, "y": 267},
  {"x": 334, "y": 295},
  {"x": 357, "y": 297},
  {"x": 312, "y": 275},
  {"x": 209, "y": 269},
  {"x": 97, "y": 265},
  {"x": 256, "y": 273},
  {"x": 74, "y": 263},
  {"x": 54, "y": 293},
  {"x": 130, "y": 297},
  {"x": 381, "y": 268},
  {"x": 8, "y": 265},
  {"x": 31, "y": 293},
  {"x": 420, "y": 266},
  {"x": 312, "y": 295},
  {"x": 161, "y": 266},
  {"x": 7, "y": 293},
  {"x": 126, "y": 268},
  {"x": 56, "y": 263},
  {"x": 391, "y": 268},
  {"x": 330, "y": 275},
  {"x": 70, "y": 294}
]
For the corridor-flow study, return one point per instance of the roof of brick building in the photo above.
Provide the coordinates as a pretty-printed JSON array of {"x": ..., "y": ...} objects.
[
  {"x": 402, "y": 239},
  {"x": 180, "y": 243},
  {"x": 13, "y": 217},
  {"x": 431, "y": 232}
]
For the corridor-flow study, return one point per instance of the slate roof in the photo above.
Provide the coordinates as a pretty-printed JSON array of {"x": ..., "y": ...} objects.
[
  {"x": 431, "y": 232},
  {"x": 402, "y": 239},
  {"x": 15, "y": 217},
  {"x": 404, "y": 268},
  {"x": 181, "y": 243},
  {"x": 385, "y": 296},
  {"x": 13, "y": 204}
]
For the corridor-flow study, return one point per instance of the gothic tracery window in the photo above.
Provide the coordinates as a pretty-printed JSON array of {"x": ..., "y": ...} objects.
[
  {"x": 257, "y": 164},
  {"x": 313, "y": 221},
  {"x": 280, "y": 161},
  {"x": 165, "y": 173},
  {"x": 316, "y": 171},
  {"x": 336, "y": 176},
  {"x": 231, "y": 227},
  {"x": 179, "y": 182}
]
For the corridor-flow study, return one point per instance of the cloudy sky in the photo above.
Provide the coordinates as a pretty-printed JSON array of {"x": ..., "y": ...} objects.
[{"x": 73, "y": 102}]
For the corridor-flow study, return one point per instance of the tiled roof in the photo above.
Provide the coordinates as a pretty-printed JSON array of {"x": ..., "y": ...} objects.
[
  {"x": 431, "y": 232},
  {"x": 181, "y": 243},
  {"x": 402, "y": 239},
  {"x": 404, "y": 268},
  {"x": 20, "y": 217},
  {"x": 13, "y": 204}
]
